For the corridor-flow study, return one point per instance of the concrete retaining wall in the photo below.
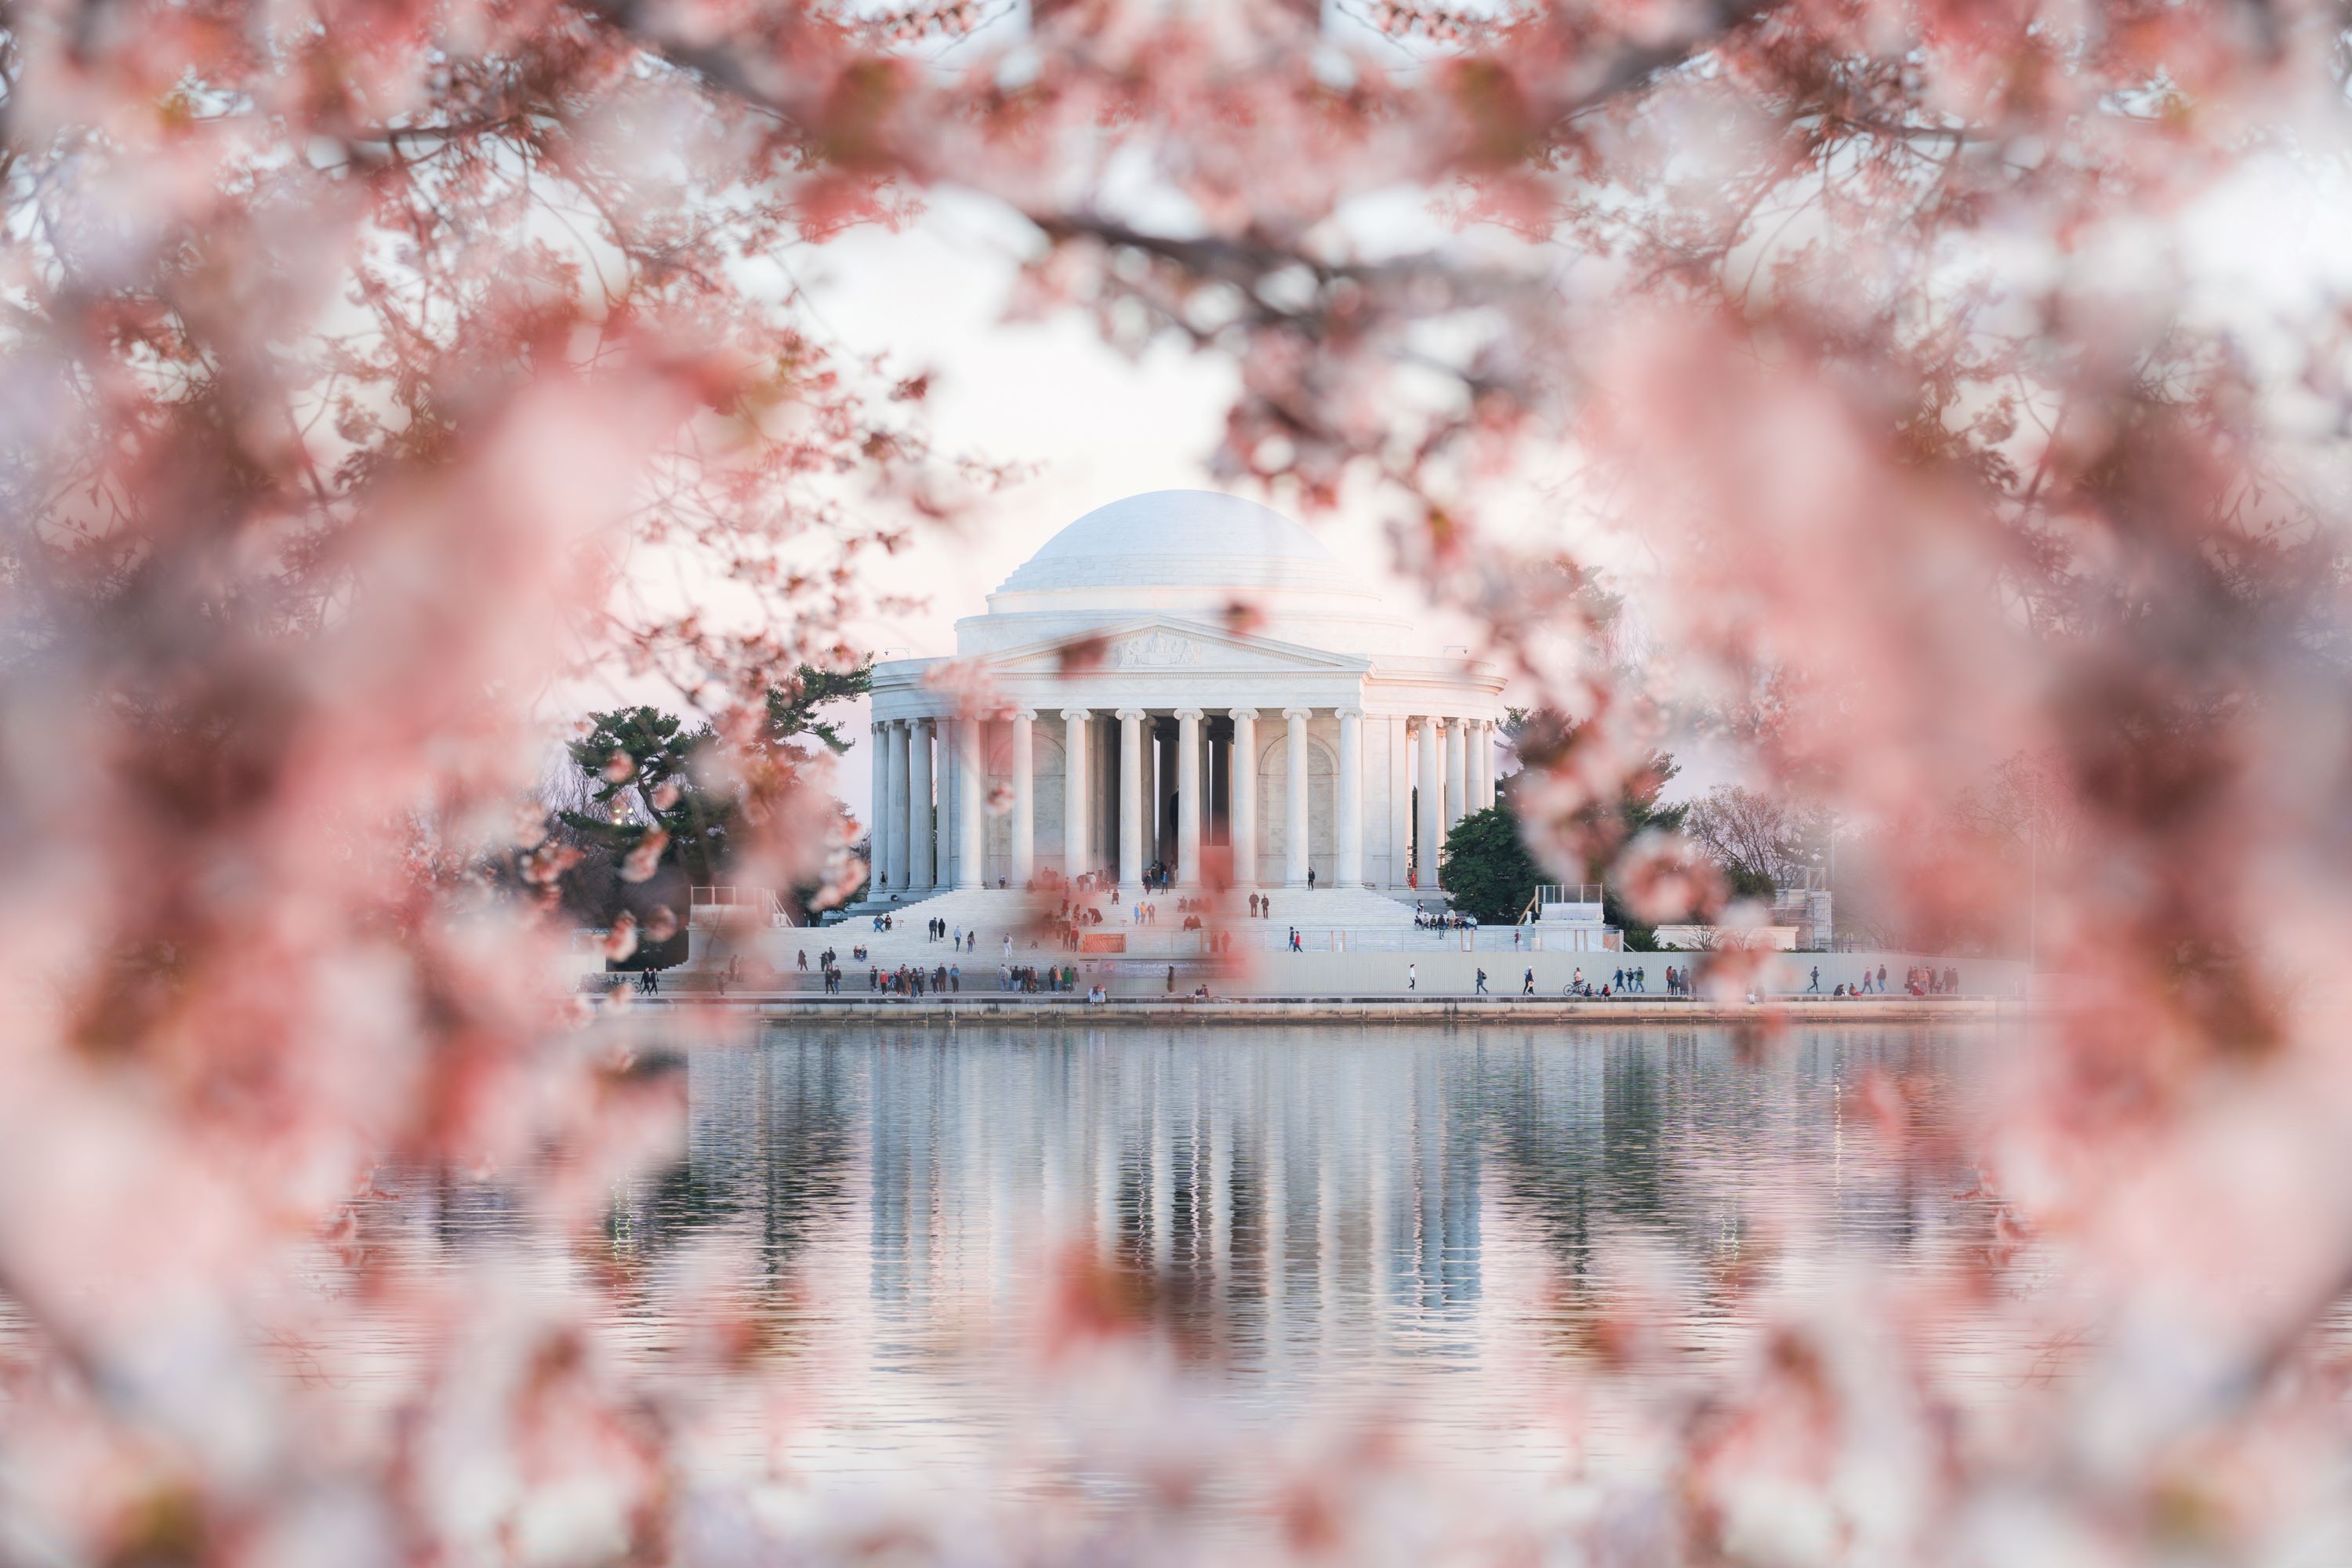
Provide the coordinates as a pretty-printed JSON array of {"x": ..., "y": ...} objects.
[{"x": 968, "y": 1008}]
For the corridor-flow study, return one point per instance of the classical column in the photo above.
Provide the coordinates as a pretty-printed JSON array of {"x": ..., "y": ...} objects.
[
  {"x": 1163, "y": 838},
  {"x": 919, "y": 837},
  {"x": 897, "y": 813},
  {"x": 1431, "y": 789},
  {"x": 1241, "y": 810},
  {"x": 1024, "y": 797},
  {"x": 1188, "y": 797},
  {"x": 1294, "y": 873},
  {"x": 1399, "y": 800},
  {"x": 1076, "y": 801},
  {"x": 971, "y": 831},
  {"x": 1474, "y": 741},
  {"x": 1351, "y": 797},
  {"x": 1485, "y": 736},
  {"x": 1457, "y": 759},
  {"x": 1131, "y": 804},
  {"x": 878, "y": 826}
]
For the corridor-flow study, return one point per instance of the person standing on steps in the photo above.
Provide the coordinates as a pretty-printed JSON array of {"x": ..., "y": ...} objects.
[{"x": 1310, "y": 878}]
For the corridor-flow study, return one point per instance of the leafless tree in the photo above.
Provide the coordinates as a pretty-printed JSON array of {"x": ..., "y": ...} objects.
[{"x": 1757, "y": 837}]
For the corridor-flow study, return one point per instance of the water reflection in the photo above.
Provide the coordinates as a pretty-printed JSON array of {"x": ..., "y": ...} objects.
[
  {"x": 1413, "y": 1220},
  {"x": 1305, "y": 1198}
]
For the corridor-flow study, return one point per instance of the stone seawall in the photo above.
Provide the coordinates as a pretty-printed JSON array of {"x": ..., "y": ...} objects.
[{"x": 994, "y": 1008}]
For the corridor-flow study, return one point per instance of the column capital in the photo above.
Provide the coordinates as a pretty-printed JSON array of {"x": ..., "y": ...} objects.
[
  {"x": 1126, "y": 714},
  {"x": 1357, "y": 713},
  {"x": 1298, "y": 712},
  {"x": 1077, "y": 715},
  {"x": 1018, "y": 715},
  {"x": 1194, "y": 713},
  {"x": 1247, "y": 713},
  {"x": 922, "y": 718}
]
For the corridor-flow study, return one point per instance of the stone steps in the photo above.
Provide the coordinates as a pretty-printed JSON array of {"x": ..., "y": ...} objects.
[{"x": 1372, "y": 919}]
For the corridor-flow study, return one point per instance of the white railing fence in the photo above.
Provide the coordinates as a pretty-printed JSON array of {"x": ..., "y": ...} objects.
[{"x": 743, "y": 906}]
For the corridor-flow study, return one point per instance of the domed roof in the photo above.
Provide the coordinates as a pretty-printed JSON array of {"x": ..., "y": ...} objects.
[{"x": 1182, "y": 539}]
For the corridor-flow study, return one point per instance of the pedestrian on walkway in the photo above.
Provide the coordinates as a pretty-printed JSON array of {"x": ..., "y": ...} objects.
[
  {"x": 1815, "y": 988},
  {"x": 1413, "y": 977},
  {"x": 1481, "y": 983},
  {"x": 1528, "y": 986}
]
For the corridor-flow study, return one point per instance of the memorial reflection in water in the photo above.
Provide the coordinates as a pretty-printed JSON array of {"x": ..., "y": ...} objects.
[{"x": 1319, "y": 1222}]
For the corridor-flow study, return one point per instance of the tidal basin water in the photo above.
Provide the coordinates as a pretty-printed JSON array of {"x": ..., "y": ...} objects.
[{"x": 1297, "y": 1235}]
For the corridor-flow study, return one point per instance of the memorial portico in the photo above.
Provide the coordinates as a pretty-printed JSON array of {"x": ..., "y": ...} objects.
[{"x": 1184, "y": 680}]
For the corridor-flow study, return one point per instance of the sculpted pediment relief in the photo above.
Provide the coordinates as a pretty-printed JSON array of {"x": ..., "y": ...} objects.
[
  {"x": 1158, "y": 649},
  {"x": 1166, "y": 646}
]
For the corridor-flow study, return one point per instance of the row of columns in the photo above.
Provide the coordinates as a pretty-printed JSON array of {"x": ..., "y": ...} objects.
[{"x": 906, "y": 834}]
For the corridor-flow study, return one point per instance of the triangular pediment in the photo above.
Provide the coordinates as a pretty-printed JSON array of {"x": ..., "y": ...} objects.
[{"x": 1159, "y": 643}]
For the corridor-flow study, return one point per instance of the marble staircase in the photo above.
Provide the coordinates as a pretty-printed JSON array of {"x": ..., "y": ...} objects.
[{"x": 1368, "y": 919}]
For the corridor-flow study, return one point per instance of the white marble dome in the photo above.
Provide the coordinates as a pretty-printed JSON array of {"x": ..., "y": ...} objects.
[
  {"x": 1195, "y": 554},
  {"x": 1189, "y": 681}
]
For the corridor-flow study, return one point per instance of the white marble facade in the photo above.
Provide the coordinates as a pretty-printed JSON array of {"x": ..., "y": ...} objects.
[{"x": 1170, "y": 664}]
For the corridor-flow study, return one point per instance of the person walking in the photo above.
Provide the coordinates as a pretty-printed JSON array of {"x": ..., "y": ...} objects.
[
  {"x": 1413, "y": 977},
  {"x": 1815, "y": 988},
  {"x": 1481, "y": 983},
  {"x": 1527, "y": 985}
]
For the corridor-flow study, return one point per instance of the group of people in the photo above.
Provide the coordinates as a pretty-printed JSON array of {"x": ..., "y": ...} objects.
[
  {"x": 1918, "y": 980},
  {"x": 937, "y": 929},
  {"x": 1027, "y": 978},
  {"x": 1074, "y": 916},
  {"x": 828, "y": 967},
  {"x": 912, "y": 980},
  {"x": 1626, "y": 980},
  {"x": 1442, "y": 920}
]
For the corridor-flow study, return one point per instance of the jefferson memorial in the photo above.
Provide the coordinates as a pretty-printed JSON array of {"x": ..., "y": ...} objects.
[{"x": 1187, "y": 681}]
